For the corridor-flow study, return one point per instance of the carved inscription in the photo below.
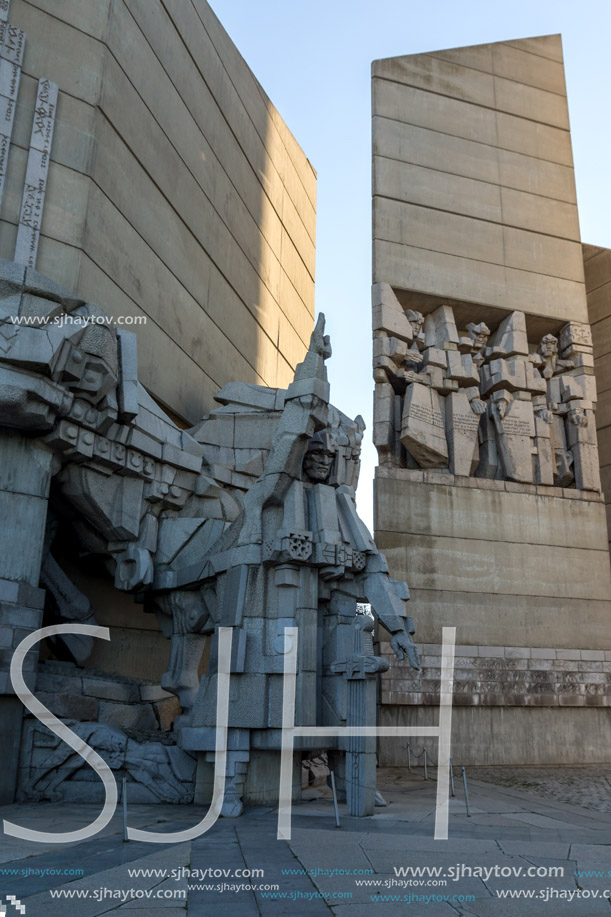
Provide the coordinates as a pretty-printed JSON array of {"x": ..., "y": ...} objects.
[
  {"x": 465, "y": 423},
  {"x": 515, "y": 427},
  {"x": 13, "y": 44},
  {"x": 44, "y": 116},
  {"x": 39, "y": 156},
  {"x": 426, "y": 415},
  {"x": 9, "y": 79}
]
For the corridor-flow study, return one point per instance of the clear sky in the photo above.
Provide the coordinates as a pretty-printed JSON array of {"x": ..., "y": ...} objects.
[{"x": 313, "y": 59}]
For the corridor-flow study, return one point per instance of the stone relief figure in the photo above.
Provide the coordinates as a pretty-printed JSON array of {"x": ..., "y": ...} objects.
[
  {"x": 511, "y": 381},
  {"x": 157, "y": 772},
  {"x": 571, "y": 396},
  {"x": 492, "y": 405},
  {"x": 247, "y": 520}
]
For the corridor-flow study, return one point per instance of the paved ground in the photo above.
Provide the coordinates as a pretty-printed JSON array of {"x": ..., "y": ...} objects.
[
  {"x": 510, "y": 831},
  {"x": 589, "y": 787}
]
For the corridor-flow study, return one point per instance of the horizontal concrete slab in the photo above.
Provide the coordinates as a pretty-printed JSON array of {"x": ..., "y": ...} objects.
[
  {"x": 517, "y": 94},
  {"x": 471, "y": 122},
  {"x": 454, "y": 234},
  {"x": 532, "y": 622},
  {"x": 455, "y": 564},
  {"x": 523, "y": 518},
  {"x": 453, "y": 277}
]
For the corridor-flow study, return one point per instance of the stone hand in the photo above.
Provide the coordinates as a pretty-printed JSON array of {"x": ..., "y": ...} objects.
[
  {"x": 414, "y": 356},
  {"x": 478, "y": 406},
  {"x": 578, "y": 418},
  {"x": 403, "y": 645}
]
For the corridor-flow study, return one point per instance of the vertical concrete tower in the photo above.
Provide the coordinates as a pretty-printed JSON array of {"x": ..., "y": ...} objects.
[{"x": 488, "y": 498}]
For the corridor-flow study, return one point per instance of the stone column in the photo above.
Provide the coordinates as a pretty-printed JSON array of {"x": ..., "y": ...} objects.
[{"x": 25, "y": 474}]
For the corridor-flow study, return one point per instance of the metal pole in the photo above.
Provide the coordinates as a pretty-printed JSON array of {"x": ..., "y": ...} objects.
[
  {"x": 464, "y": 780},
  {"x": 337, "y": 824},
  {"x": 425, "y": 771},
  {"x": 125, "y": 836},
  {"x": 452, "y": 777},
  {"x": 409, "y": 759}
]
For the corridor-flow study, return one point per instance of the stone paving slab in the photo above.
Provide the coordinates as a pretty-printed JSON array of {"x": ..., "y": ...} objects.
[
  {"x": 541, "y": 832},
  {"x": 589, "y": 787}
]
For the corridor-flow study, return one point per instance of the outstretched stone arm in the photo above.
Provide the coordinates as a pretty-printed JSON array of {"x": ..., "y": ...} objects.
[{"x": 387, "y": 598}]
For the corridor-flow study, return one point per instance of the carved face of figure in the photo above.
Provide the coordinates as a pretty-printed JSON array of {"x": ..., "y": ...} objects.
[
  {"x": 479, "y": 334},
  {"x": 501, "y": 406},
  {"x": 548, "y": 346},
  {"x": 416, "y": 320},
  {"x": 318, "y": 462}
]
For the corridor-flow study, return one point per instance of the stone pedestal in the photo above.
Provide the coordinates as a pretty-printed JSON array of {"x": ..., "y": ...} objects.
[{"x": 24, "y": 490}]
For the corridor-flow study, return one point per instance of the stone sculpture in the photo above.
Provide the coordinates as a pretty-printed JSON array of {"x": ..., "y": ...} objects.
[
  {"x": 489, "y": 405},
  {"x": 156, "y": 772},
  {"x": 247, "y": 520}
]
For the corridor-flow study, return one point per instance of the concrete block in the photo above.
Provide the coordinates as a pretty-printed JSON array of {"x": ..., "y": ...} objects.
[
  {"x": 111, "y": 690},
  {"x": 431, "y": 508},
  {"x": 128, "y": 716},
  {"x": 441, "y": 274},
  {"x": 153, "y": 693},
  {"x": 66, "y": 705},
  {"x": 517, "y": 652},
  {"x": 16, "y": 562}
]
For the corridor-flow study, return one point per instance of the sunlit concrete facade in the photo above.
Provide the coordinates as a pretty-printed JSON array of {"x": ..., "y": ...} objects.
[{"x": 474, "y": 207}]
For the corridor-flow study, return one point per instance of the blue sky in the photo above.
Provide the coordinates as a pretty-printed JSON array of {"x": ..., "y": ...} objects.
[{"x": 313, "y": 59}]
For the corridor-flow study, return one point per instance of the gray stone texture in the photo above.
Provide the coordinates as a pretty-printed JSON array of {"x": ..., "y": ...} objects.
[
  {"x": 474, "y": 195},
  {"x": 201, "y": 546},
  {"x": 475, "y": 221},
  {"x": 230, "y": 245},
  {"x": 597, "y": 264}
]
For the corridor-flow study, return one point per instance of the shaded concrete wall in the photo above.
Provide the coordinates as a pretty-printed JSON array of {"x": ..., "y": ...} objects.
[
  {"x": 505, "y": 565},
  {"x": 493, "y": 736},
  {"x": 597, "y": 264},
  {"x": 474, "y": 205},
  {"x": 175, "y": 191}
]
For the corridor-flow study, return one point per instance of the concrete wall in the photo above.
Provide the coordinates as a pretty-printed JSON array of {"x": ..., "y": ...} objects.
[
  {"x": 504, "y": 566},
  {"x": 509, "y": 736},
  {"x": 175, "y": 191},
  {"x": 474, "y": 193},
  {"x": 474, "y": 205},
  {"x": 597, "y": 263}
]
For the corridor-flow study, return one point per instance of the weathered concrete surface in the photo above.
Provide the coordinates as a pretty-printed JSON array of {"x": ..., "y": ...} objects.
[
  {"x": 188, "y": 200},
  {"x": 475, "y": 210},
  {"x": 509, "y": 832},
  {"x": 498, "y": 564},
  {"x": 506, "y": 735},
  {"x": 597, "y": 264},
  {"x": 474, "y": 196}
]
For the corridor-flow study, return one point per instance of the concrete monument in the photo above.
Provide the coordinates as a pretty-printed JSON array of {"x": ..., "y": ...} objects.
[
  {"x": 247, "y": 520},
  {"x": 488, "y": 491}
]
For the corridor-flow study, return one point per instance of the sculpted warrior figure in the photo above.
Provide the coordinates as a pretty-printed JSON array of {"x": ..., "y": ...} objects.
[
  {"x": 248, "y": 521},
  {"x": 297, "y": 556}
]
